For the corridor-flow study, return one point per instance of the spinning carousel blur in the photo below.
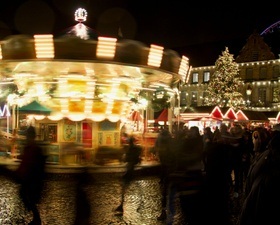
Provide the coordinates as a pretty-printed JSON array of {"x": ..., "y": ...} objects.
[{"x": 81, "y": 76}]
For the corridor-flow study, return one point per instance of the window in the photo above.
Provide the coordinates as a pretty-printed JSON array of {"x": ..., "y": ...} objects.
[
  {"x": 183, "y": 98},
  {"x": 249, "y": 73},
  {"x": 263, "y": 72},
  {"x": 262, "y": 96},
  {"x": 275, "y": 72},
  {"x": 206, "y": 76},
  {"x": 195, "y": 77},
  {"x": 204, "y": 95},
  {"x": 194, "y": 98},
  {"x": 275, "y": 95}
]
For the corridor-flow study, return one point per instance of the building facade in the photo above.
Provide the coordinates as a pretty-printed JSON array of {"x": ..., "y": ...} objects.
[{"x": 259, "y": 70}]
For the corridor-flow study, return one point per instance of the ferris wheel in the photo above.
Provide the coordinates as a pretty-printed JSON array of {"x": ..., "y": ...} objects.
[{"x": 271, "y": 28}]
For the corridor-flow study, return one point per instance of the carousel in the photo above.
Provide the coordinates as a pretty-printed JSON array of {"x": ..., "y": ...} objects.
[{"x": 75, "y": 88}]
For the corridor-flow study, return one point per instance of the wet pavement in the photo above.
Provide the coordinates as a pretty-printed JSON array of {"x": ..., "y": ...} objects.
[
  {"x": 142, "y": 200},
  {"x": 142, "y": 203}
]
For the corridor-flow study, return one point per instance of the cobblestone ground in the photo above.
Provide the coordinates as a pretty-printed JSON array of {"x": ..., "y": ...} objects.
[{"x": 142, "y": 201}]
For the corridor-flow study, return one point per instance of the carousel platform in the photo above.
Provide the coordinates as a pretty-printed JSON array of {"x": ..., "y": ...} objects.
[{"x": 109, "y": 167}]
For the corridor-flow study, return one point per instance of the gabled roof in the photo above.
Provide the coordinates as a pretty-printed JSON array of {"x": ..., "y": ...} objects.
[
  {"x": 163, "y": 116},
  {"x": 230, "y": 114},
  {"x": 255, "y": 50}
]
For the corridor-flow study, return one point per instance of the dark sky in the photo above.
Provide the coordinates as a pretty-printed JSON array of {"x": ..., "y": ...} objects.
[{"x": 198, "y": 30}]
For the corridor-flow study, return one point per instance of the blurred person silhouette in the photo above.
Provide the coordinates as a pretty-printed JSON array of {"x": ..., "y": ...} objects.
[
  {"x": 163, "y": 150},
  {"x": 31, "y": 174},
  {"x": 262, "y": 186},
  {"x": 218, "y": 179},
  {"x": 189, "y": 186},
  {"x": 237, "y": 148},
  {"x": 132, "y": 158},
  {"x": 83, "y": 206},
  {"x": 207, "y": 142},
  {"x": 247, "y": 155}
]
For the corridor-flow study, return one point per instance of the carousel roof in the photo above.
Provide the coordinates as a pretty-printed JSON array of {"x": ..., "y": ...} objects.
[
  {"x": 104, "y": 70},
  {"x": 101, "y": 74}
]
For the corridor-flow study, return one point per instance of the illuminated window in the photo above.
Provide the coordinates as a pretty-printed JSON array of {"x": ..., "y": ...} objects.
[
  {"x": 194, "y": 98},
  {"x": 262, "y": 96},
  {"x": 195, "y": 77},
  {"x": 275, "y": 95},
  {"x": 183, "y": 98},
  {"x": 204, "y": 94},
  {"x": 206, "y": 76}
]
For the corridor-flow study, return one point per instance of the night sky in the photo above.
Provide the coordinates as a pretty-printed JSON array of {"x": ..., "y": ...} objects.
[{"x": 198, "y": 30}]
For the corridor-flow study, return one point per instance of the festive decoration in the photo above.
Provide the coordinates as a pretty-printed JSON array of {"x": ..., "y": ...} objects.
[{"x": 223, "y": 88}]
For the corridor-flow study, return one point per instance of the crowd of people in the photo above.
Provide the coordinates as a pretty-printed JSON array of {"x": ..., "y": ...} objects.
[
  {"x": 206, "y": 172},
  {"x": 213, "y": 171}
]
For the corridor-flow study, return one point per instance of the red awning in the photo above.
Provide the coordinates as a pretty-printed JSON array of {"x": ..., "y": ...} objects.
[
  {"x": 216, "y": 113},
  {"x": 230, "y": 114},
  {"x": 163, "y": 116},
  {"x": 136, "y": 116}
]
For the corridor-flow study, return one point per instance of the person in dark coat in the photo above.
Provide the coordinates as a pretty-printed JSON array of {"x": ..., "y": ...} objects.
[
  {"x": 163, "y": 149},
  {"x": 189, "y": 186},
  {"x": 218, "y": 179},
  {"x": 262, "y": 194},
  {"x": 30, "y": 175},
  {"x": 83, "y": 206},
  {"x": 132, "y": 158}
]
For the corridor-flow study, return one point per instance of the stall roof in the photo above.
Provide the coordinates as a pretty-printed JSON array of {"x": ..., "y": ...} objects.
[
  {"x": 163, "y": 116},
  {"x": 273, "y": 116},
  {"x": 200, "y": 109},
  {"x": 255, "y": 115}
]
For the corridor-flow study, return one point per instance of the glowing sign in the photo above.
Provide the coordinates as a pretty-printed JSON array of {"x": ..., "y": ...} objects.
[{"x": 5, "y": 111}]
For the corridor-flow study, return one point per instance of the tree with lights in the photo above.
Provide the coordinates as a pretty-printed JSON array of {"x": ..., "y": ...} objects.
[{"x": 223, "y": 87}]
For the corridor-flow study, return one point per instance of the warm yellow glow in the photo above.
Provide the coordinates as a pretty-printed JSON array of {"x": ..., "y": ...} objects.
[
  {"x": 113, "y": 118},
  {"x": 188, "y": 75},
  {"x": 155, "y": 56},
  {"x": 106, "y": 47},
  {"x": 88, "y": 106},
  {"x": 55, "y": 117},
  {"x": 44, "y": 46},
  {"x": 76, "y": 117},
  {"x": 97, "y": 117},
  {"x": 99, "y": 107},
  {"x": 184, "y": 65},
  {"x": 64, "y": 105},
  {"x": 39, "y": 117},
  {"x": 1, "y": 53},
  {"x": 76, "y": 106}
]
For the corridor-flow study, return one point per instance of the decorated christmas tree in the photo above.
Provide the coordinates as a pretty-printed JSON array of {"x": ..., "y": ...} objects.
[{"x": 224, "y": 85}]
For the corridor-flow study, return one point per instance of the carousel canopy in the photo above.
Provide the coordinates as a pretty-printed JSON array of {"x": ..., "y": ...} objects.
[
  {"x": 106, "y": 71},
  {"x": 35, "y": 108},
  {"x": 84, "y": 73}
]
